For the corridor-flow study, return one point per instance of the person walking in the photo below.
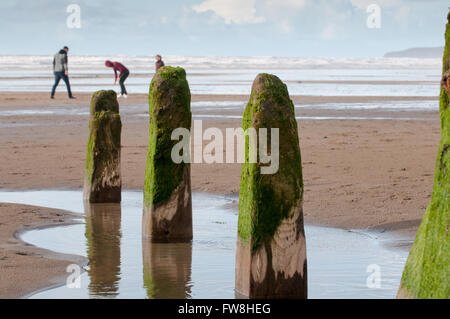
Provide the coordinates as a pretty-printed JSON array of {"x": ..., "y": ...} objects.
[
  {"x": 159, "y": 62},
  {"x": 123, "y": 74},
  {"x": 61, "y": 71}
]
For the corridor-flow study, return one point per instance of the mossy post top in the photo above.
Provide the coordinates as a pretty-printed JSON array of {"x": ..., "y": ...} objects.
[
  {"x": 170, "y": 72},
  {"x": 104, "y": 100},
  {"x": 170, "y": 89},
  {"x": 268, "y": 83},
  {"x": 269, "y": 93}
]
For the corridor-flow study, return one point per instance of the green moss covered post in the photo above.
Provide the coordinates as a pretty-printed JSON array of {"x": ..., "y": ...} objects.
[
  {"x": 427, "y": 270},
  {"x": 103, "y": 183},
  {"x": 271, "y": 248},
  {"x": 167, "y": 190}
]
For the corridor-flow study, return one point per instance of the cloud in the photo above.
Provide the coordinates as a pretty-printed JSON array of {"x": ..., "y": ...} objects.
[
  {"x": 292, "y": 4},
  {"x": 245, "y": 11},
  {"x": 402, "y": 15},
  {"x": 232, "y": 11},
  {"x": 285, "y": 4},
  {"x": 281, "y": 10},
  {"x": 363, "y": 4},
  {"x": 328, "y": 32}
]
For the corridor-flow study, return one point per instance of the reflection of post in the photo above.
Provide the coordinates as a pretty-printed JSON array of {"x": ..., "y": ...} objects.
[
  {"x": 103, "y": 241},
  {"x": 167, "y": 269}
]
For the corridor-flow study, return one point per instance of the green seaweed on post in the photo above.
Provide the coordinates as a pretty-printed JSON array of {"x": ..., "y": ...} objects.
[
  {"x": 265, "y": 200},
  {"x": 163, "y": 176},
  {"x": 427, "y": 270}
]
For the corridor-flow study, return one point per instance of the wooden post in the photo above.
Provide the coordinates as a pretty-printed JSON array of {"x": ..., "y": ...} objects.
[
  {"x": 271, "y": 248},
  {"x": 102, "y": 180},
  {"x": 167, "y": 213},
  {"x": 427, "y": 270}
]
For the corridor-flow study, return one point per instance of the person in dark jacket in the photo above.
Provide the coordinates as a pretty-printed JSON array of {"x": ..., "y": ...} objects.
[
  {"x": 444, "y": 82},
  {"x": 123, "y": 74},
  {"x": 159, "y": 63},
  {"x": 61, "y": 71}
]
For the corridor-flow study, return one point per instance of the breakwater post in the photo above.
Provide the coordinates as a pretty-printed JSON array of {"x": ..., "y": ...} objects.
[
  {"x": 271, "y": 247},
  {"x": 167, "y": 215},
  {"x": 427, "y": 270},
  {"x": 103, "y": 182}
]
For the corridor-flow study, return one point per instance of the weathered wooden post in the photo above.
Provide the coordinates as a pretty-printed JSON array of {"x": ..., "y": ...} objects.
[
  {"x": 167, "y": 215},
  {"x": 427, "y": 270},
  {"x": 102, "y": 181},
  {"x": 271, "y": 248}
]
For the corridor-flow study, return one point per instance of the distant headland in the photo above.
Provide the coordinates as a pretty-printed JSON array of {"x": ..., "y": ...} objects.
[{"x": 434, "y": 52}]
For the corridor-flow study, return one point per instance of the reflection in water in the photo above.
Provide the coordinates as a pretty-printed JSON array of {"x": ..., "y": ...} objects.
[
  {"x": 167, "y": 269},
  {"x": 338, "y": 258},
  {"x": 103, "y": 236}
]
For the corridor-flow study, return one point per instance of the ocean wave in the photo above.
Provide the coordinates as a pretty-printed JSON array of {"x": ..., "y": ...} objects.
[{"x": 8, "y": 62}]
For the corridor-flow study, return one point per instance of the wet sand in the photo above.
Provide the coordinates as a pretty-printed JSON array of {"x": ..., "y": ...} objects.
[
  {"x": 357, "y": 173},
  {"x": 8, "y": 99},
  {"x": 25, "y": 268}
]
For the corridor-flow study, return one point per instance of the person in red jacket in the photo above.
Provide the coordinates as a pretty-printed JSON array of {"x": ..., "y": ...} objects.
[{"x": 123, "y": 74}]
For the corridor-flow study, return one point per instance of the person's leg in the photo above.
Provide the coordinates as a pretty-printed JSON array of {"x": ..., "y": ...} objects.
[
  {"x": 66, "y": 80},
  {"x": 57, "y": 79},
  {"x": 122, "y": 83}
]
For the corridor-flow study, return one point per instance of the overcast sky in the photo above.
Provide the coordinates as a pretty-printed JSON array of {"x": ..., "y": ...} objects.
[{"x": 304, "y": 28}]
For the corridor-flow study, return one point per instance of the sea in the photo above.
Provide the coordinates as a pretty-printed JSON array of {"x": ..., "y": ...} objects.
[{"x": 234, "y": 75}]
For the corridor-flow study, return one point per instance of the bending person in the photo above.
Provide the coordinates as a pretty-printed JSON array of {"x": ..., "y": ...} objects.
[{"x": 123, "y": 74}]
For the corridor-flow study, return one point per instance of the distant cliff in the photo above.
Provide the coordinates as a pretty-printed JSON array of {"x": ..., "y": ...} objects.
[{"x": 416, "y": 53}]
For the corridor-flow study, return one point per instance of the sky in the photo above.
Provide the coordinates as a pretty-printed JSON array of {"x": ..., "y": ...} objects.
[{"x": 291, "y": 28}]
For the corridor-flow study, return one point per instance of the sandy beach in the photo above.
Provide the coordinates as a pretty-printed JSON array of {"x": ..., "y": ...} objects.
[
  {"x": 374, "y": 170},
  {"x": 25, "y": 268}
]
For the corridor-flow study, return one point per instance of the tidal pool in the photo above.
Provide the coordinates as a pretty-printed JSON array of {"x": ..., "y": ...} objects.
[{"x": 122, "y": 265}]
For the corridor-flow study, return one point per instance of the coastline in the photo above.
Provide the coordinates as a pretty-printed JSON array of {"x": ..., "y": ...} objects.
[
  {"x": 50, "y": 267},
  {"x": 358, "y": 174}
]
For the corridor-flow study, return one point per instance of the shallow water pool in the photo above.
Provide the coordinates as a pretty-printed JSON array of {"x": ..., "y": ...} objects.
[{"x": 121, "y": 265}]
